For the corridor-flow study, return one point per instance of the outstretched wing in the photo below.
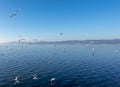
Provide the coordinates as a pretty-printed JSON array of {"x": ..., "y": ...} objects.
[{"x": 15, "y": 13}]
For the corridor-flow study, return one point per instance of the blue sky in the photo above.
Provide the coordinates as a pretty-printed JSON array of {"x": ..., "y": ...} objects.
[{"x": 46, "y": 19}]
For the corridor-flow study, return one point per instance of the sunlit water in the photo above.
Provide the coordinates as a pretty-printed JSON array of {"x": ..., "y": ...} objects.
[{"x": 70, "y": 65}]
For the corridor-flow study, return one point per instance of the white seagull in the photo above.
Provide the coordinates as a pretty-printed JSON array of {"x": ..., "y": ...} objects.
[
  {"x": 16, "y": 80},
  {"x": 53, "y": 79},
  {"x": 35, "y": 77}
]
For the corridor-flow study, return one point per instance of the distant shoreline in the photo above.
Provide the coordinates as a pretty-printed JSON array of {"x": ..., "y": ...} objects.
[{"x": 72, "y": 42}]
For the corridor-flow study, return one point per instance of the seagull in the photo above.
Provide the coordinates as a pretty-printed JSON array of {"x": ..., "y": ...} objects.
[
  {"x": 35, "y": 77},
  {"x": 53, "y": 79},
  {"x": 93, "y": 50},
  {"x": 15, "y": 13},
  {"x": 61, "y": 33},
  {"x": 16, "y": 80}
]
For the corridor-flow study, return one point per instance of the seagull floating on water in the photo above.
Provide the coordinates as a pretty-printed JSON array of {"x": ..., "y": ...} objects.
[
  {"x": 35, "y": 77},
  {"x": 53, "y": 79},
  {"x": 16, "y": 80}
]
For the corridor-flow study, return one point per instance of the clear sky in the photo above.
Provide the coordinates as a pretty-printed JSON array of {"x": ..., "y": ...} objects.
[{"x": 46, "y": 19}]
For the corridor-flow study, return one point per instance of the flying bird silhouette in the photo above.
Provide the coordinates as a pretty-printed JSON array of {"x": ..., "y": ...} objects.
[
  {"x": 61, "y": 33},
  {"x": 15, "y": 13}
]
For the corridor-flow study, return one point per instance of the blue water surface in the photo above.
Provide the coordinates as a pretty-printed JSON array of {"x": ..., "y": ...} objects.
[{"x": 71, "y": 65}]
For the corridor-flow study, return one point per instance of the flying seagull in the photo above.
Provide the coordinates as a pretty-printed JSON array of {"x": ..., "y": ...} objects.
[
  {"x": 15, "y": 13},
  {"x": 61, "y": 33}
]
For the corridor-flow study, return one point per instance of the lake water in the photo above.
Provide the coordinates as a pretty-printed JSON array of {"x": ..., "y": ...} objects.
[{"x": 71, "y": 65}]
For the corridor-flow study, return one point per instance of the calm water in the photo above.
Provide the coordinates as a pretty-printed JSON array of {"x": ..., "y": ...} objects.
[{"x": 72, "y": 66}]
